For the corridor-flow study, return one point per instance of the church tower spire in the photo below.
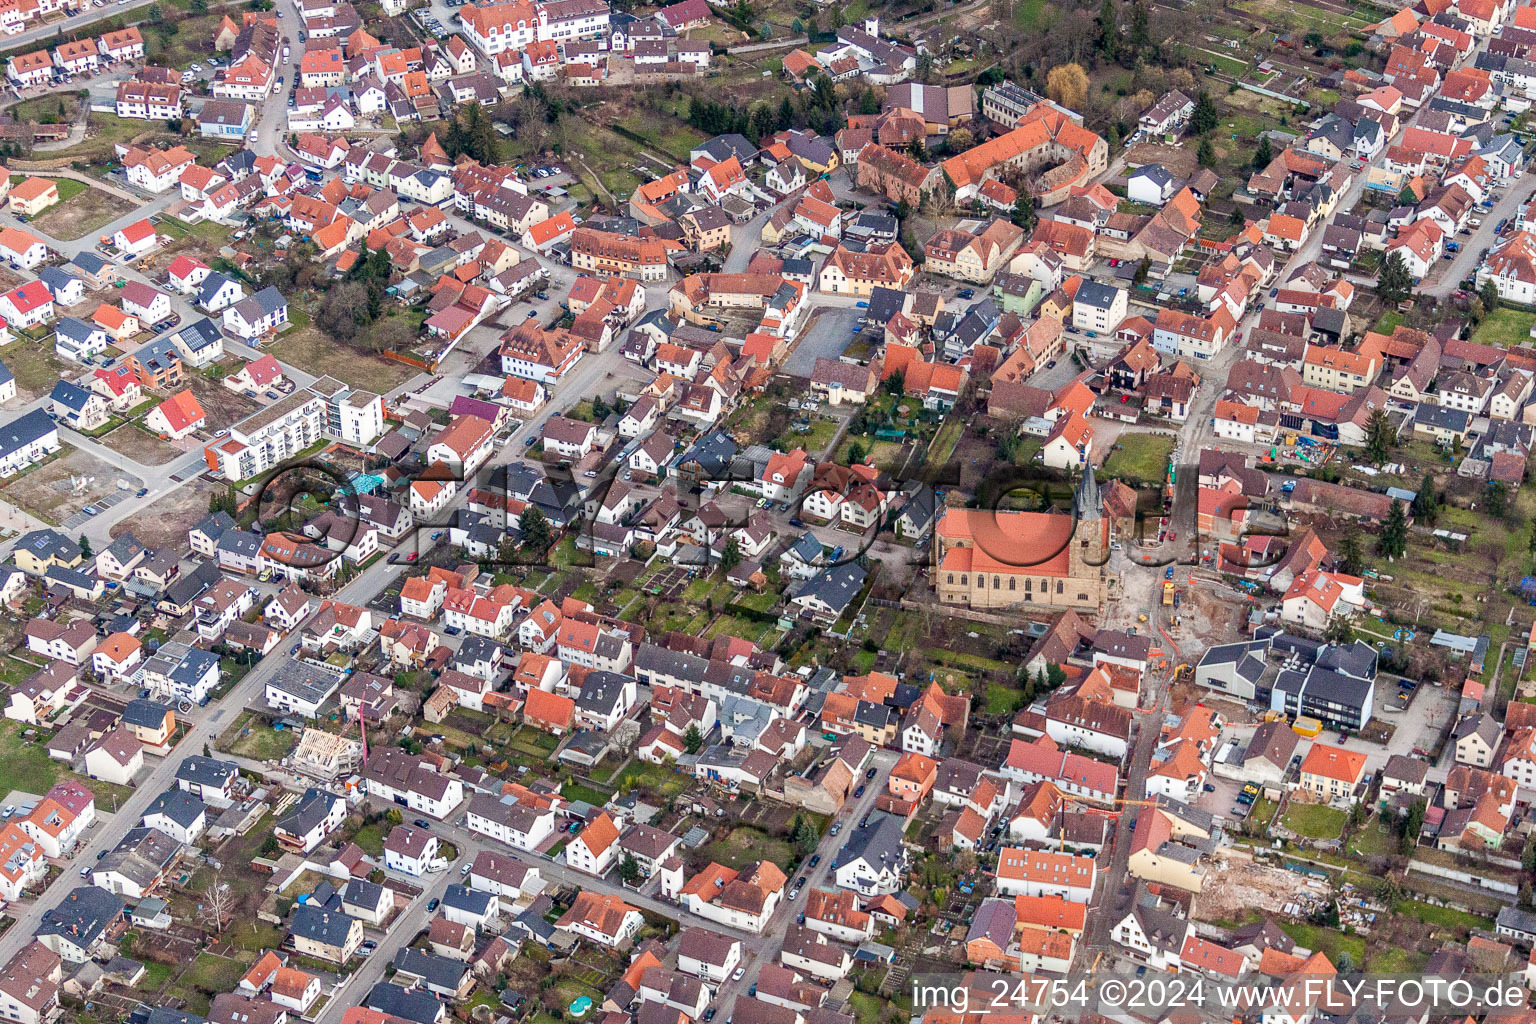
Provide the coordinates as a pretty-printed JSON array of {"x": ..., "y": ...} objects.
[{"x": 1087, "y": 503}]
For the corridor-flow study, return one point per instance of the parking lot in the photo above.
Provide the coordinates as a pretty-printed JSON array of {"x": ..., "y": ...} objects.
[{"x": 85, "y": 515}]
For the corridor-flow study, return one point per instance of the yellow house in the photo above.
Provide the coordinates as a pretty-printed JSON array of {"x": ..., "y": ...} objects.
[
  {"x": 707, "y": 229},
  {"x": 152, "y": 724},
  {"x": 1057, "y": 305},
  {"x": 39, "y": 550},
  {"x": 1332, "y": 773},
  {"x": 325, "y": 934},
  {"x": 1158, "y": 856},
  {"x": 1337, "y": 369},
  {"x": 33, "y": 196}
]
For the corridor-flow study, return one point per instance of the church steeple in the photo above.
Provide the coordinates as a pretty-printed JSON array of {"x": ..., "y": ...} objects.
[{"x": 1087, "y": 503}]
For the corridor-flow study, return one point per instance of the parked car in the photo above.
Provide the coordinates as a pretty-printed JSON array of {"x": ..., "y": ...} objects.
[{"x": 419, "y": 823}]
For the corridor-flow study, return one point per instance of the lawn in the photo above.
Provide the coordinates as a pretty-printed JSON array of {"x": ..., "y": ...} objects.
[
  {"x": 764, "y": 634},
  {"x": 1443, "y": 917},
  {"x": 25, "y": 766},
  {"x": 944, "y": 441},
  {"x": 877, "y": 453},
  {"x": 669, "y": 135},
  {"x": 103, "y": 131},
  {"x": 69, "y": 188},
  {"x": 209, "y": 975},
  {"x": 757, "y": 602},
  {"x": 1314, "y": 821},
  {"x": 1394, "y": 960},
  {"x": 250, "y": 737},
  {"x": 814, "y": 440},
  {"x": 207, "y": 230},
  {"x": 54, "y": 108},
  {"x": 254, "y": 936},
  {"x": 1505, "y": 328},
  {"x": 13, "y": 670},
  {"x": 193, "y": 41},
  {"x": 1003, "y": 700},
  {"x": 1142, "y": 457},
  {"x": 155, "y": 977},
  {"x": 308, "y": 349},
  {"x": 1389, "y": 322},
  {"x": 370, "y": 838},
  {"x": 1373, "y": 841},
  {"x": 1033, "y": 15},
  {"x": 1326, "y": 940},
  {"x": 35, "y": 365},
  {"x": 1263, "y": 811},
  {"x": 658, "y": 779},
  {"x": 747, "y": 845},
  {"x": 533, "y": 742},
  {"x": 576, "y": 791},
  {"x": 1300, "y": 18},
  {"x": 866, "y": 1008}
]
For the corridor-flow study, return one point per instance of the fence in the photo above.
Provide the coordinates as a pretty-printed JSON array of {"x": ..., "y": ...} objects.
[
  {"x": 1464, "y": 877},
  {"x": 777, "y": 44},
  {"x": 410, "y": 361}
]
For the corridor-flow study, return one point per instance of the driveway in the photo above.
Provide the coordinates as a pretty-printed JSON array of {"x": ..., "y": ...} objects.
[{"x": 829, "y": 333}]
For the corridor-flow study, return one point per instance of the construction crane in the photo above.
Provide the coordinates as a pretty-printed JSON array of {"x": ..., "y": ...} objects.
[{"x": 1124, "y": 802}]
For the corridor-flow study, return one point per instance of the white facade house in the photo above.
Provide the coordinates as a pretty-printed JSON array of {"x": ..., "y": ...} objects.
[
  {"x": 515, "y": 824},
  {"x": 410, "y": 850},
  {"x": 707, "y": 955},
  {"x": 595, "y": 850}
]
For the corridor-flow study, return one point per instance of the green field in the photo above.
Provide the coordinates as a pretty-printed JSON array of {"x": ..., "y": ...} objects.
[
  {"x": 1033, "y": 15},
  {"x": 68, "y": 187},
  {"x": 26, "y": 766},
  {"x": 746, "y": 845},
  {"x": 209, "y": 231},
  {"x": 1330, "y": 942},
  {"x": 253, "y": 738},
  {"x": 656, "y": 778},
  {"x": 103, "y": 131},
  {"x": 1314, "y": 821},
  {"x": 1443, "y": 917},
  {"x": 1003, "y": 700},
  {"x": 1139, "y": 457},
  {"x": 576, "y": 791},
  {"x": 1505, "y": 328}
]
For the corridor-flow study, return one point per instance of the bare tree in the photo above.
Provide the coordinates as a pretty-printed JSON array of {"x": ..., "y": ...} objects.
[{"x": 218, "y": 904}]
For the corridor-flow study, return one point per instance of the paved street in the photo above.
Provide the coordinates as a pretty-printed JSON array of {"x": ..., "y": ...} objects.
[{"x": 46, "y": 32}]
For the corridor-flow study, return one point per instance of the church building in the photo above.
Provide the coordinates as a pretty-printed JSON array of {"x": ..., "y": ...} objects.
[{"x": 990, "y": 559}]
